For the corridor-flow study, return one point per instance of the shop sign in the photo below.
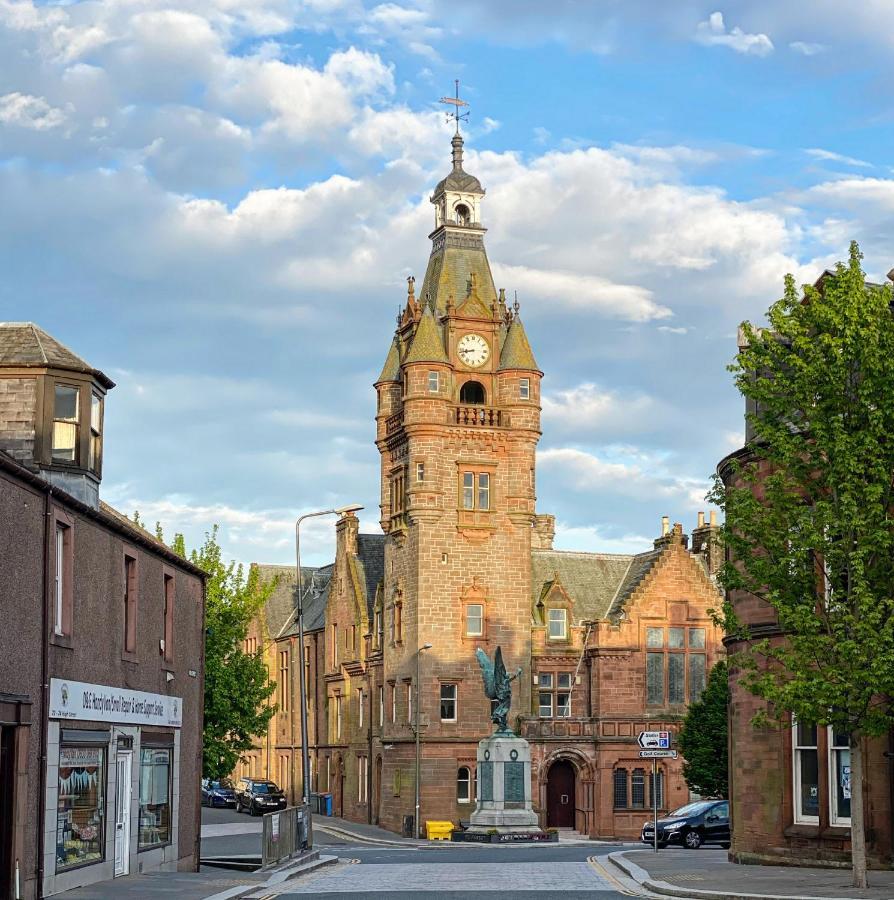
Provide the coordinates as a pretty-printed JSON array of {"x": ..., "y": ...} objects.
[{"x": 102, "y": 703}]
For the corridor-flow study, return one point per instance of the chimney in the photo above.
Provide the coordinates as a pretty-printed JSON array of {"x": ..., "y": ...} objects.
[
  {"x": 346, "y": 530},
  {"x": 544, "y": 532},
  {"x": 670, "y": 535},
  {"x": 706, "y": 543}
]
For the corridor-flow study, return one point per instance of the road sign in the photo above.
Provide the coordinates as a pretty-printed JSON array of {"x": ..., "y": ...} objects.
[
  {"x": 657, "y": 740},
  {"x": 657, "y": 754}
]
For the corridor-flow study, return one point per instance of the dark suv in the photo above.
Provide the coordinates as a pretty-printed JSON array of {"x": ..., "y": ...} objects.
[
  {"x": 702, "y": 822},
  {"x": 258, "y": 796}
]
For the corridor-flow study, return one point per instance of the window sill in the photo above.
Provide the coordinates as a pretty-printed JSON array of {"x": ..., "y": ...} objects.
[
  {"x": 62, "y": 640},
  {"x": 836, "y": 831},
  {"x": 131, "y": 658},
  {"x": 802, "y": 829}
]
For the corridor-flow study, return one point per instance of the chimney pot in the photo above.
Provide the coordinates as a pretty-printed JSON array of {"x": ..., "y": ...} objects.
[
  {"x": 701, "y": 520},
  {"x": 713, "y": 518},
  {"x": 665, "y": 524}
]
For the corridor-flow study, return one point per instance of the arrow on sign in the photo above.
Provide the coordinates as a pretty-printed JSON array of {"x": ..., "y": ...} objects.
[{"x": 658, "y": 740}]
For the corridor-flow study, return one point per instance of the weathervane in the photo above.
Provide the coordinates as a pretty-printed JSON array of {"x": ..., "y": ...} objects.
[{"x": 457, "y": 105}]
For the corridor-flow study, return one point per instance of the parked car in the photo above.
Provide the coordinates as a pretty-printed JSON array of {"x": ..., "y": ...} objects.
[
  {"x": 702, "y": 822},
  {"x": 257, "y": 795},
  {"x": 218, "y": 793}
]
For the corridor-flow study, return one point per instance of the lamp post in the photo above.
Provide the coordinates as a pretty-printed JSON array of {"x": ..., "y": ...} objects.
[
  {"x": 416, "y": 729},
  {"x": 302, "y": 686}
]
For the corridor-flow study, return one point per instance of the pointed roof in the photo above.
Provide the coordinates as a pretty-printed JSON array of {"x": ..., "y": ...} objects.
[
  {"x": 427, "y": 345},
  {"x": 26, "y": 345},
  {"x": 516, "y": 352},
  {"x": 458, "y": 179},
  {"x": 391, "y": 369}
]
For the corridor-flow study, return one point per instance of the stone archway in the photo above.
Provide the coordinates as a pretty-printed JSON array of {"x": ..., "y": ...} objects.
[
  {"x": 567, "y": 771},
  {"x": 561, "y": 795}
]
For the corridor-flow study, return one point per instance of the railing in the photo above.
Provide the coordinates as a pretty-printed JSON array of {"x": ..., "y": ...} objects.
[
  {"x": 392, "y": 423},
  {"x": 483, "y": 416},
  {"x": 285, "y": 834}
]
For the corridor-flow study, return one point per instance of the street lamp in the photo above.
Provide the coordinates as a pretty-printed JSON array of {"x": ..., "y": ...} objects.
[
  {"x": 302, "y": 686},
  {"x": 416, "y": 717}
]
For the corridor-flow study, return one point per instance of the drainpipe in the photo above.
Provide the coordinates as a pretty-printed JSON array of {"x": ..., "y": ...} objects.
[
  {"x": 44, "y": 688},
  {"x": 369, "y": 758}
]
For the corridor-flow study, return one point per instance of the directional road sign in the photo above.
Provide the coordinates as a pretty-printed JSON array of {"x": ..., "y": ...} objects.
[
  {"x": 657, "y": 754},
  {"x": 656, "y": 740}
]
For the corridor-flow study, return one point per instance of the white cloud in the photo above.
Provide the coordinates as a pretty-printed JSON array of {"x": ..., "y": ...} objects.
[
  {"x": 713, "y": 33},
  {"x": 590, "y": 409},
  {"x": 669, "y": 330},
  {"x": 598, "y": 539},
  {"x": 831, "y": 156},
  {"x": 807, "y": 49},
  {"x": 29, "y": 112}
]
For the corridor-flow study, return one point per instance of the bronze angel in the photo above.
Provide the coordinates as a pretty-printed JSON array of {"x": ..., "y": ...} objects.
[{"x": 497, "y": 687}]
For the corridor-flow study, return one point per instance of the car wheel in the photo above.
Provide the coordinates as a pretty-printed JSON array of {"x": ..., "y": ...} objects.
[
  {"x": 238, "y": 806},
  {"x": 692, "y": 840}
]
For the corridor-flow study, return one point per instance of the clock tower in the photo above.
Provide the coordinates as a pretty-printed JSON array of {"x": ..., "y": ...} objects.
[{"x": 458, "y": 420}]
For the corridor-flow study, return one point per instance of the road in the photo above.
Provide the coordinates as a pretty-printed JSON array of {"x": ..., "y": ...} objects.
[{"x": 464, "y": 872}]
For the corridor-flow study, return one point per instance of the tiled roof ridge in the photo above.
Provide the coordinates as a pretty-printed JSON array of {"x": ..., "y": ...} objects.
[{"x": 592, "y": 554}]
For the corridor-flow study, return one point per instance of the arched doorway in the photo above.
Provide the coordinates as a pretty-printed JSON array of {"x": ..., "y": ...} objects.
[
  {"x": 560, "y": 791},
  {"x": 377, "y": 791}
]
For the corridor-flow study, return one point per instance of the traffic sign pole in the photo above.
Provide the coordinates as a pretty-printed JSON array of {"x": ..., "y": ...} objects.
[{"x": 655, "y": 797}]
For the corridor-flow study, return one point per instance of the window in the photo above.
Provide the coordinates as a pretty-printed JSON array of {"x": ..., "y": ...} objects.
[
  {"x": 554, "y": 694},
  {"x": 155, "y": 797},
  {"x": 362, "y": 770},
  {"x": 80, "y": 816},
  {"x": 448, "y": 702},
  {"x": 251, "y": 645},
  {"x": 360, "y": 707},
  {"x": 468, "y": 490},
  {"x": 95, "y": 431},
  {"x": 284, "y": 771},
  {"x": 463, "y": 784},
  {"x": 379, "y": 626},
  {"x": 130, "y": 604},
  {"x": 333, "y": 631},
  {"x": 66, "y": 416},
  {"x": 840, "y": 777},
  {"x": 381, "y": 705},
  {"x": 524, "y": 389},
  {"x": 462, "y": 214},
  {"x": 676, "y": 665},
  {"x": 169, "y": 618},
  {"x": 558, "y": 624},
  {"x": 474, "y": 619},
  {"x": 434, "y": 382},
  {"x": 393, "y": 702},
  {"x": 806, "y": 773},
  {"x": 619, "y": 780},
  {"x": 483, "y": 490},
  {"x": 656, "y": 789},
  {"x": 638, "y": 789},
  {"x": 62, "y": 587},
  {"x": 338, "y": 716},
  {"x": 397, "y": 625},
  {"x": 282, "y": 686},
  {"x": 398, "y": 493},
  {"x": 409, "y": 702},
  {"x": 420, "y": 471},
  {"x": 472, "y": 392}
]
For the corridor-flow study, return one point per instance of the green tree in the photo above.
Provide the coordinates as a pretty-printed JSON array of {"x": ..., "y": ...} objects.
[
  {"x": 809, "y": 513},
  {"x": 702, "y": 738}
]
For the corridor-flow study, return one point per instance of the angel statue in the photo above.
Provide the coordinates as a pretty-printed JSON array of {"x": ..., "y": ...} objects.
[{"x": 497, "y": 686}]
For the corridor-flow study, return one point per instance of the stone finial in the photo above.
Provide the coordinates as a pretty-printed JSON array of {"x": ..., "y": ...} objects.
[{"x": 411, "y": 287}]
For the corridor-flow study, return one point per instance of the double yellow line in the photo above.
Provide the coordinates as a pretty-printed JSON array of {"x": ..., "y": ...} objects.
[{"x": 601, "y": 870}]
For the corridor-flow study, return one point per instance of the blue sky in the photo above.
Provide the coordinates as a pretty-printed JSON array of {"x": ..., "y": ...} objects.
[{"x": 217, "y": 203}]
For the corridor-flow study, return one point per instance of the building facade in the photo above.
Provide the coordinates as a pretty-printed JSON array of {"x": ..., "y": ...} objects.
[
  {"x": 608, "y": 644},
  {"x": 101, "y": 654}
]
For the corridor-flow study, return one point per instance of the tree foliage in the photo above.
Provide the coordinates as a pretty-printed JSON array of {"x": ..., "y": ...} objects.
[
  {"x": 703, "y": 737},
  {"x": 808, "y": 511}
]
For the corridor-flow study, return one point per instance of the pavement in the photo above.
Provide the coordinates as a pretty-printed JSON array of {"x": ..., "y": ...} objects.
[{"x": 708, "y": 875}]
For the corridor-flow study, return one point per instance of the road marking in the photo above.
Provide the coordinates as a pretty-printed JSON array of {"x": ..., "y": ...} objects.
[{"x": 604, "y": 873}]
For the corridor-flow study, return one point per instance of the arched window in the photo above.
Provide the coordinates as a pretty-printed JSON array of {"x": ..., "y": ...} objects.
[
  {"x": 463, "y": 784},
  {"x": 462, "y": 214},
  {"x": 472, "y": 392},
  {"x": 656, "y": 788},
  {"x": 620, "y": 788}
]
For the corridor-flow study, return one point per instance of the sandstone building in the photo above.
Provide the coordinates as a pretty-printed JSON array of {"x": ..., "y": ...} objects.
[{"x": 609, "y": 644}]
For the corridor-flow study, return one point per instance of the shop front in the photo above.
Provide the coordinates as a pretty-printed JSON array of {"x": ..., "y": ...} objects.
[{"x": 111, "y": 805}]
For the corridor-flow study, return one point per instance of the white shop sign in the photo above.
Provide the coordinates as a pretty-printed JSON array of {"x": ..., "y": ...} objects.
[{"x": 102, "y": 703}]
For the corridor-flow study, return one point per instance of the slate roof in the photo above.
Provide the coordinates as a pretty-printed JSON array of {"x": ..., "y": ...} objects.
[
  {"x": 427, "y": 344},
  {"x": 281, "y": 604},
  {"x": 516, "y": 352},
  {"x": 26, "y": 345},
  {"x": 598, "y": 583},
  {"x": 391, "y": 369},
  {"x": 449, "y": 270},
  {"x": 370, "y": 563}
]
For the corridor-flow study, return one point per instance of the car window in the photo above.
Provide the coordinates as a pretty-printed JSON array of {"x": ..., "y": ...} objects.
[
  {"x": 690, "y": 809},
  {"x": 721, "y": 811},
  {"x": 260, "y": 787}
]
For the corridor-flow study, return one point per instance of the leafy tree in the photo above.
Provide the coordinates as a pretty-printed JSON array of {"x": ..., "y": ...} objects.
[
  {"x": 809, "y": 513},
  {"x": 237, "y": 684},
  {"x": 702, "y": 738}
]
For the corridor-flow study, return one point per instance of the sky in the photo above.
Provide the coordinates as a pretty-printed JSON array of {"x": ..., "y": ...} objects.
[{"x": 217, "y": 203}]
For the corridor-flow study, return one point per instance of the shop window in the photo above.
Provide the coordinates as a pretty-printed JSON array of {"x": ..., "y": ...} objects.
[
  {"x": 619, "y": 781},
  {"x": 474, "y": 619},
  {"x": 638, "y": 789},
  {"x": 130, "y": 604},
  {"x": 80, "y": 816},
  {"x": 463, "y": 784},
  {"x": 66, "y": 416},
  {"x": 524, "y": 389},
  {"x": 558, "y": 624},
  {"x": 448, "y": 702},
  {"x": 155, "y": 797},
  {"x": 434, "y": 382},
  {"x": 806, "y": 772},
  {"x": 840, "y": 775}
]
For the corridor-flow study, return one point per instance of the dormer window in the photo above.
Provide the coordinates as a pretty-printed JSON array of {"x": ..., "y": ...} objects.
[
  {"x": 66, "y": 416},
  {"x": 463, "y": 216}
]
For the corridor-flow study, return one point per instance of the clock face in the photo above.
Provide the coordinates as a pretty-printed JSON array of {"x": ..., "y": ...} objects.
[{"x": 473, "y": 350}]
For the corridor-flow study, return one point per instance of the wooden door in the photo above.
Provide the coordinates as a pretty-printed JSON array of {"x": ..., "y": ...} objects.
[{"x": 560, "y": 795}]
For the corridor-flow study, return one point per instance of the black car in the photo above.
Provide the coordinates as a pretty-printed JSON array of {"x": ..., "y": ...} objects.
[
  {"x": 258, "y": 796},
  {"x": 702, "y": 822},
  {"x": 218, "y": 793}
]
